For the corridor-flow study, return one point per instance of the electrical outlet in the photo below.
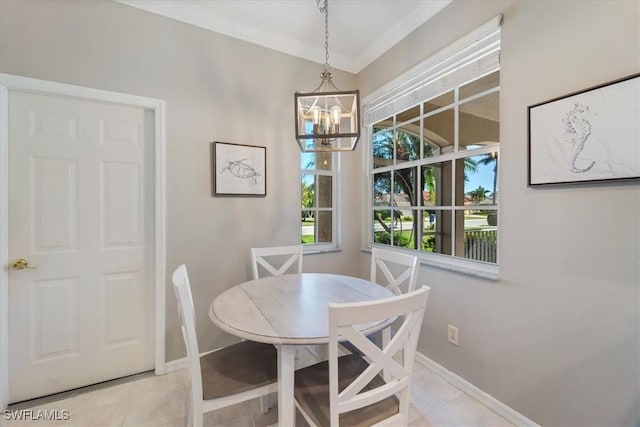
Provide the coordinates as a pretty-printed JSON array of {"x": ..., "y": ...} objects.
[{"x": 453, "y": 335}]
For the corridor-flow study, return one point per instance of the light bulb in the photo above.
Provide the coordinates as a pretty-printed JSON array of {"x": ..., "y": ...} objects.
[
  {"x": 335, "y": 114},
  {"x": 316, "y": 115}
]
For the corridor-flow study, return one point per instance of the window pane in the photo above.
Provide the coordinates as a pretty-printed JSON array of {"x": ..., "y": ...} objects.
[
  {"x": 479, "y": 121},
  {"x": 307, "y": 161},
  {"x": 408, "y": 142},
  {"x": 324, "y": 161},
  {"x": 383, "y": 148},
  {"x": 404, "y": 187},
  {"x": 308, "y": 191},
  {"x": 324, "y": 227},
  {"x": 407, "y": 115},
  {"x": 405, "y": 232},
  {"x": 324, "y": 191},
  {"x": 308, "y": 227},
  {"x": 383, "y": 124},
  {"x": 481, "y": 179},
  {"x": 464, "y": 167},
  {"x": 439, "y": 102},
  {"x": 429, "y": 148},
  {"x": 436, "y": 232},
  {"x": 436, "y": 184},
  {"x": 381, "y": 224},
  {"x": 382, "y": 189},
  {"x": 480, "y": 85},
  {"x": 429, "y": 231},
  {"x": 475, "y": 241},
  {"x": 438, "y": 129}
]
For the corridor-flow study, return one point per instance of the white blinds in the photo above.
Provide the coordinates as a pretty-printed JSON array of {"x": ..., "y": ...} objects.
[{"x": 473, "y": 55}]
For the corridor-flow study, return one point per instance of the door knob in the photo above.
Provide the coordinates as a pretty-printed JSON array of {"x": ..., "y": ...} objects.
[{"x": 21, "y": 264}]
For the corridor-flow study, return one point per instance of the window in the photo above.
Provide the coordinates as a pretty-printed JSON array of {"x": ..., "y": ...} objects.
[
  {"x": 318, "y": 199},
  {"x": 433, "y": 155}
]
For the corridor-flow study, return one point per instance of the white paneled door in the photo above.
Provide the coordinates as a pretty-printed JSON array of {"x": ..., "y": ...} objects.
[{"x": 81, "y": 296}]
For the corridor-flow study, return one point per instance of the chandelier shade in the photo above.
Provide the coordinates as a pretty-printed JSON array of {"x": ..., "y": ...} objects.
[{"x": 327, "y": 119}]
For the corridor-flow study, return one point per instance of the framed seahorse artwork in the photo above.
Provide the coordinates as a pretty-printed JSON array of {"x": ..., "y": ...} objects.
[
  {"x": 587, "y": 136},
  {"x": 238, "y": 170}
]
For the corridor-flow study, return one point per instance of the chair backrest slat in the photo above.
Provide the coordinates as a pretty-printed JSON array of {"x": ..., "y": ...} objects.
[
  {"x": 383, "y": 260},
  {"x": 265, "y": 257}
]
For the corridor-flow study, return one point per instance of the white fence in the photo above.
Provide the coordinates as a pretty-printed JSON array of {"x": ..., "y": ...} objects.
[{"x": 481, "y": 245}]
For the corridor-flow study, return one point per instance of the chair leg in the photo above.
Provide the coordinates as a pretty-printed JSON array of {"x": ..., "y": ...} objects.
[{"x": 196, "y": 415}]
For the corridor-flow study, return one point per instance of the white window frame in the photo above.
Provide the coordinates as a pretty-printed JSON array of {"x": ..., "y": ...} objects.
[
  {"x": 467, "y": 59},
  {"x": 334, "y": 245}
]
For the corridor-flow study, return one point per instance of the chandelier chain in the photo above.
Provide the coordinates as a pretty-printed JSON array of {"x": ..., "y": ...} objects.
[{"x": 323, "y": 5}]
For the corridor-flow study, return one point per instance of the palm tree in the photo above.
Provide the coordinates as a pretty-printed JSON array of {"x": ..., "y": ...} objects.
[
  {"x": 406, "y": 180},
  {"x": 407, "y": 148},
  {"x": 479, "y": 194},
  {"x": 487, "y": 160},
  {"x": 470, "y": 166}
]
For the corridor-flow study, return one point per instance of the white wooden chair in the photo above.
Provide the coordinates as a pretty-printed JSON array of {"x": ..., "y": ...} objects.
[
  {"x": 223, "y": 377},
  {"x": 404, "y": 266},
  {"x": 268, "y": 257},
  {"x": 350, "y": 390}
]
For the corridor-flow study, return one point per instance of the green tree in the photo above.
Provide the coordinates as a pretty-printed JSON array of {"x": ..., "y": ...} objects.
[
  {"x": 308, "y": 197},
  {"x": 487, "y": 160},
  {"x": 407, "y": 148},
  {"x": 479, "y": 194}
]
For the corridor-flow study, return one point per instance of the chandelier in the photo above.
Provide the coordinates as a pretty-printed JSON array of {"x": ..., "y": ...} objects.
[{"x": 327, "y": 119}]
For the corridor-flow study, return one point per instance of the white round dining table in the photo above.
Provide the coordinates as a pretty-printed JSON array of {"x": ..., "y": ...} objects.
[{"x": 289, "y": 311}]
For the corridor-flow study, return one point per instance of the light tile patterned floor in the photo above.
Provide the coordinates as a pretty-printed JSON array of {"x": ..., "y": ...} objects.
[{"x": 161, "y": 401}]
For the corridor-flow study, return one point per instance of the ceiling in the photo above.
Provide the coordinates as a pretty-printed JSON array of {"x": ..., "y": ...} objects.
[{"x": 359, "y": 30}]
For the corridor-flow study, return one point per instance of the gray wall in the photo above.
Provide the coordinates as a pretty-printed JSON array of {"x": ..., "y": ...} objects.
[
  {"x": 215, "y": 88},
  {"x": 556, "y": 338}
]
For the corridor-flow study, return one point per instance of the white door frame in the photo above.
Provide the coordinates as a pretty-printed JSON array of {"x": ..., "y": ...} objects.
[{"x": 10, "y": 82}]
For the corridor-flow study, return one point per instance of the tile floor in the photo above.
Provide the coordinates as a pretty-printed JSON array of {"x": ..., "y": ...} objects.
[{"x": 161, "y": 401}]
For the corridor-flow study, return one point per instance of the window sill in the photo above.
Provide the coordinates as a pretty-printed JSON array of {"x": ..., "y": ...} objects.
[
  {"x": 463, "y": 266},
  {"x": 310, "y": 250},
  {"x": 471, "y": 268}
]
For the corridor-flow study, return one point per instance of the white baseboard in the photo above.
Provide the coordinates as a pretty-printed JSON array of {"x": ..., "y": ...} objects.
[
  {"x": 176, "y": 365},
  {"x": 484, "y": 398}
]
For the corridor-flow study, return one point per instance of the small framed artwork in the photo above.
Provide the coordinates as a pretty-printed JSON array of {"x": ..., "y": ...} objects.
[
  {"x": 239, "y": 170},
  {"x": 588, "y": 136}
]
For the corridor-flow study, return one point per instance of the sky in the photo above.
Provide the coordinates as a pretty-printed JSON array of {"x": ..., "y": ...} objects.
[{"x": 483, "y": 177}]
